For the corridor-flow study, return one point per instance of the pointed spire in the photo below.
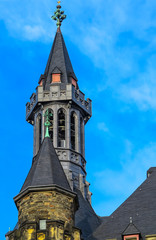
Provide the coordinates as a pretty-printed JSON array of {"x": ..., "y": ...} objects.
[{"x": 59, "y": 59}]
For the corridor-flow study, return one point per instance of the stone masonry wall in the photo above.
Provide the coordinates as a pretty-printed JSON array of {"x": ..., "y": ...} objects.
[{"x": 51, "y": 205}]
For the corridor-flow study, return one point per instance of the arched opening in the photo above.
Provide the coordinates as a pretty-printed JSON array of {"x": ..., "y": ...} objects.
[
  {"x": 61, "y": 128},
  {"x": 51, "y": 119},
  {"x": 73, "y": 130},
  {"x": 38, "y": 132},
  {"x": 82, "y": 135}
]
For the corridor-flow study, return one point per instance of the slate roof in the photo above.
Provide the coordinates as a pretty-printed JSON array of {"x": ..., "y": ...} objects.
[
  {"x": 46, "y": 169},
  {"x": 85, "y": 217},
  {"x": 59, "y": 59},
  {"x": 141, "y": 206}
]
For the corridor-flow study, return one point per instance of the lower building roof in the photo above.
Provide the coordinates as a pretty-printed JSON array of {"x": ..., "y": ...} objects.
[{"x": 141, "y": 206}]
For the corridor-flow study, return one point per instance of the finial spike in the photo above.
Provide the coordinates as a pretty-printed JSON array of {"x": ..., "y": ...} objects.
[
  {"x": 59, "y": 15},
  {"x": 47, "y": 122}
]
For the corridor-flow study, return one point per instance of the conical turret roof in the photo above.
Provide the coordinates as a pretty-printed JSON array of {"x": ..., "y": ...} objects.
[
  {"x": 46, "y": 169},
  {"x": 59, "y": 59}
]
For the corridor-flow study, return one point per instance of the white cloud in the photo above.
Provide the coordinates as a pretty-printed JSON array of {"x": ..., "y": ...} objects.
[
  {"x": 142, "y": 90},
  {"x": 28, "y": 20},
  {"x": 33, "y": 32}
]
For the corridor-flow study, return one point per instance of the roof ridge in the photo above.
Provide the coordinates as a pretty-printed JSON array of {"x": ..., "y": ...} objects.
[
  {"x": 50, "y": 55},
  {"x": 63, "y": 43},
  {"x": 37, "y": 160}
]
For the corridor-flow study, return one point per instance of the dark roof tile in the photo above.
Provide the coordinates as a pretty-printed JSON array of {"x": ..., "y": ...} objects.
[
  {"x": 141, "y": 206},
  {"x": 46, "y": 169},
  {"x": 59, "y": 58},
  {"x": 85, "y": 217}
]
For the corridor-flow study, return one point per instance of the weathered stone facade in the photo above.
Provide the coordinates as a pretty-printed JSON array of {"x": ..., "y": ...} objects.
[
  {"x": 46, "y": 205},
  {"x": 54, "y": 231},
  {"x": 54, "y": 208}
]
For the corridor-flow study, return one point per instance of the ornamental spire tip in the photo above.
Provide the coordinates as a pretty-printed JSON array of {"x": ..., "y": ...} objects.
[{"x": 59, "y": 15}]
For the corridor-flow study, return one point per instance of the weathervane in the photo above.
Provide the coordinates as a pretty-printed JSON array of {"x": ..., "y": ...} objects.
[
  {"x": 59, "y": 15},
  {"x": 47, "y": 122}
]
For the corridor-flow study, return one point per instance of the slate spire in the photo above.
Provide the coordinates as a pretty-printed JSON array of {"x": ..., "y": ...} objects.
[
  {"x": 59, "y": 60},
  {"x": 46, "y": 169}
]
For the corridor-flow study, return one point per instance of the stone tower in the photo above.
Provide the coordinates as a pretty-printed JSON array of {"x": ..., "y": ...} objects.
[
  {"x": 46, "y": 204},
  {"x": 54, "y": 201},
  {"x": 59, "y": 93}
]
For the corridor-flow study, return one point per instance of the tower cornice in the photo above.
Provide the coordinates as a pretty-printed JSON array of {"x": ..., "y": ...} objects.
[{"x": 44, "y": 189}]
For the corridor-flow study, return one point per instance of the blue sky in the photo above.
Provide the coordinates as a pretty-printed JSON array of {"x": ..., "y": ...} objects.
[{"x": 112, "y": 45}]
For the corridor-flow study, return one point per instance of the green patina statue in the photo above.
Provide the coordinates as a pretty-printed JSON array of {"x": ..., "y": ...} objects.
[{"x": 47, "y": 122}]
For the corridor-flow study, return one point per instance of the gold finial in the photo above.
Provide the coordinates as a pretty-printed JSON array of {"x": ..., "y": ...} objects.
[{"x": 59, "y": 2}]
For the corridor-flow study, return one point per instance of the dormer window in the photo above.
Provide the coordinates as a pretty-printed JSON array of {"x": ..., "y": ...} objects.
[
  {"x": 42, "y": 77},
  {"x": 74, "y": 83},
  {"x": 56, "y": 75},
  {"x": 132, "y": 237},
  {"x": 131, "y": 232},
  {"x": 41, "y": 83}
]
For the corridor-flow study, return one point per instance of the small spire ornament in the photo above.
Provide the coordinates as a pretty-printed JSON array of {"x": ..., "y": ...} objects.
[
  {"x": 59, "y": 15},
  {"x": 47, "y": 124}
]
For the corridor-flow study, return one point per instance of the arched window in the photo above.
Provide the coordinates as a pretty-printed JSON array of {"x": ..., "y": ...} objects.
[
  {"x": 52, "y": 123},
  {"x": 82, "y": 135},
  {"x": 61, "y": 128},
  {"x": 72, "y": 130},
  {"x": 38, "y": 132}
]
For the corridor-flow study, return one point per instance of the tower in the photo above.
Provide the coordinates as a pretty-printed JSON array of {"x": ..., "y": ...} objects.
[
  {"x": 59, "y": 93},
  {"x": 54, "y": 201}
]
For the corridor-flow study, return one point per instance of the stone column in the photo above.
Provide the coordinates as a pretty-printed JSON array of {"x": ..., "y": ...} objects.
[
  {"x": 78, "y": 133},
  {"x": 83, "y": 139},
  {"x": 34, "y": 132},
  {"x": 55, "y": 127},
  {"x": 68, "y": 112}
]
